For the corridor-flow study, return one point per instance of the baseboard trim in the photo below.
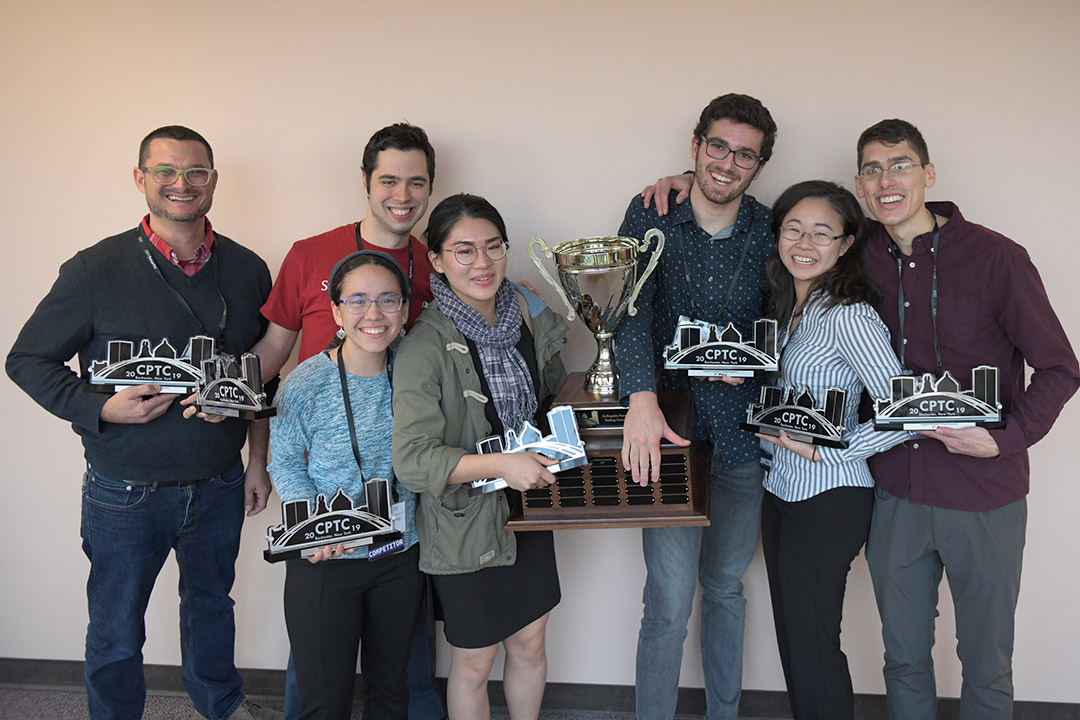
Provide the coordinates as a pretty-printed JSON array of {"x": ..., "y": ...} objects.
[{"x": 557, "y": 696}]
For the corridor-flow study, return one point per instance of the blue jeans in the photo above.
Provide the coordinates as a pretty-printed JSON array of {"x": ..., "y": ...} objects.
[
  {"x": 128, "y": 531},
  {"x": 676, "y": 558}
]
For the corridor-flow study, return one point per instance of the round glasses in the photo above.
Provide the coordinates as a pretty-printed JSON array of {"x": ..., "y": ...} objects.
[
  {"x": 165, "y": 175},
  {"x": 358, "y": 304},
  {"x": 467, "y": 254},
  {"x": 718, "y": 150},
  {"x": 794, "y": 234}
]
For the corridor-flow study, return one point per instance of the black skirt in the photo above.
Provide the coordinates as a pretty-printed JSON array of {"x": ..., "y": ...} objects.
[{"x": 485, "y": 607}]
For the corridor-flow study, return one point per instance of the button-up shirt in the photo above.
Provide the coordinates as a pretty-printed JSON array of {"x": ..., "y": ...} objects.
[
  {"x": 188, "y": 267},
  {"x": 992, "y": 310},
  {"x": 710, "y": 261}
]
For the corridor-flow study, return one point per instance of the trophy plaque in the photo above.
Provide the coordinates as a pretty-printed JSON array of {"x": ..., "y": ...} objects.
[
  {"x": 940, "y": 402},
  {"x": 157, "y": 365},
  {"x": 703, "y": 350},
  {"x": 563, "y": 444},
  {"x": 795, "y": 414},
  {"x": 233, "y": 389},
  {"x": 303, "y": 533},
  {"x": 601, "y": 494}
]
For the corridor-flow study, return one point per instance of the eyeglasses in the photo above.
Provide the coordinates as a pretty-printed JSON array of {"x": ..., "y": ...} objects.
[
  {"x": 358, "y": 304},
  {"x": 718, "y": 150},
  {"x": 897, "y": 169},
  {"x": 467, "y": 254},
  {"x": 165, "y": 175},
  {"x": 794, "y": 234}
]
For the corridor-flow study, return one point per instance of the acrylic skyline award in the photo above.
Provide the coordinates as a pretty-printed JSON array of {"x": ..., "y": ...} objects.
[
  {"x": 303, "y": 532},
  {"x": 940, "y": 403},
  {"x": 795, "y": 414},
  {"x": 703, "y": 350},
  {"x": 563, "y": 444},
  {"x": 233, "y": 388}
]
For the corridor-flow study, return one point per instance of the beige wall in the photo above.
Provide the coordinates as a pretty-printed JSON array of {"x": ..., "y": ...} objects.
[{"x": 558, "y": 116}]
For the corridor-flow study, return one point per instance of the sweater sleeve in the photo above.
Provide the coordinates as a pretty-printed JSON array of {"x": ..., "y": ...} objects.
[
  {"x": 290, "y": 439},
  {"x": 59, "y": 328}
]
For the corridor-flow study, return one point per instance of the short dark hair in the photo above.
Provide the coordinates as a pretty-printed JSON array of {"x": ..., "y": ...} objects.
[
  {"x": 741, "y": 109},
  {"x": 399, "y": 136},
  {"x": 848, "y": 281},
  {"x": 173, "y": 132},
  {"x": 446, "y": 214},
  {"x": 893, "y": 132}
]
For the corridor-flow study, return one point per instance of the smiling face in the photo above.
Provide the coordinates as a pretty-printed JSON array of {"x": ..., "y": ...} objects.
[
  {"x": 722, "y": 181},
  {"x": 178, "y": 202},
  {"x": 369, "y": 335},
  {"x": 806, "y": 261},
  {"x": 897, "y": 202},
  {"x": 475, "y": 284},
  {"x": 398, "y": 192}
]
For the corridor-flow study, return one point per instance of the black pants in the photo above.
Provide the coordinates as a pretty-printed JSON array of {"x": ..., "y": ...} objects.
[
  {"x": 329, "y": 608},
  {"x": 809, "y": 546}
]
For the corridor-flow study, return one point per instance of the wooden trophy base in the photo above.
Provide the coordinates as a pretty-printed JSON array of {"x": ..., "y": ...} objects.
[{"x": 601, "y": 494}]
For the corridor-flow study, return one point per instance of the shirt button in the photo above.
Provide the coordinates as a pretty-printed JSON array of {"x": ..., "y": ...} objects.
[
  {"x": 905, "y": 341},
  {"x": 907, "y": 304},
  {"x": 915, "y": 445},
  {"x": 911, "y": 264}
]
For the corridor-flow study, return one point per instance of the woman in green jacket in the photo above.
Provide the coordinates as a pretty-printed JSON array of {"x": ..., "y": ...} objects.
[{"x": 482, "y": 359}]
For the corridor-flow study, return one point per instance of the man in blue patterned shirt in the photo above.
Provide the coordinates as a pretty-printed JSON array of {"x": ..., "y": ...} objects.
[{"x": 712, "y": 268}]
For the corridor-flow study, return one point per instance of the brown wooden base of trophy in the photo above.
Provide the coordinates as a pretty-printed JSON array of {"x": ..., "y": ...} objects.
[{"x": 601, "y": 494}]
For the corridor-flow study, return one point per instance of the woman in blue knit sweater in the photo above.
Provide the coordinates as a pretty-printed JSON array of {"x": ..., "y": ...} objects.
[{"x": 338, "y": 596}]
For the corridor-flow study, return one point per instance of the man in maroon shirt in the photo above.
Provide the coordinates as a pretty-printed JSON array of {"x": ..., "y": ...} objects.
[{"x": 955, "y": 295}]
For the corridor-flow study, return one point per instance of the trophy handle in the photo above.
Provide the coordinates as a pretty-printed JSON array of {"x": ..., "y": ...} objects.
[
  {"x": 570, "y": 314},
  {"x": 643, "y": 245}
]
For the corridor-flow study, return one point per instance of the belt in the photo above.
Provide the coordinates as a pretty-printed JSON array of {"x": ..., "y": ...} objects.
[{"x": 166, "y": 483}]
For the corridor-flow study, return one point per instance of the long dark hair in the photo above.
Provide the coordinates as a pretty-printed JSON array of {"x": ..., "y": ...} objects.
[{"x": 845, "y": 283}]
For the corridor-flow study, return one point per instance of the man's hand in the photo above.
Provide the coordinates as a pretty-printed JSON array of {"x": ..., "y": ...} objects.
[
  {"x": 974, "y": 441},
  {"x": 528, "y": 286},
  {"x": 526, "y": 470},
  {"x": 642, "y": 431},
  {"x": 191, "y": 411},
  {"x": 257, "y": 488},
  {"x": 136, "y": 405},
  {"x": 728, "y": 379},
  {"x": 659, "y": 192},
  {"x": 803, "y": 450}
]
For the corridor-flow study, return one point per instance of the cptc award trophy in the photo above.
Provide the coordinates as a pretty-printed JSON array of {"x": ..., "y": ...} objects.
[{"x": 598, "y": 282}]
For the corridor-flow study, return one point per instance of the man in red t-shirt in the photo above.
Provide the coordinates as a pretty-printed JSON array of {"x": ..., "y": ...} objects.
[{"x": 398, "y": 170}]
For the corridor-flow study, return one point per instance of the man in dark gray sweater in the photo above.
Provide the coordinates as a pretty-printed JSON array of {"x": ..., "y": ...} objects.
[{"x": 155, "y": 481}]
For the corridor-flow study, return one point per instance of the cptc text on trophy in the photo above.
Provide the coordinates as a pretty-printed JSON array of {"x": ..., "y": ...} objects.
[{"x": 598, "y": 281}]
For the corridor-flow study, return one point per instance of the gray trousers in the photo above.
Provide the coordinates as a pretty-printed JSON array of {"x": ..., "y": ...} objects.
[{"x": 981, "y": 553}]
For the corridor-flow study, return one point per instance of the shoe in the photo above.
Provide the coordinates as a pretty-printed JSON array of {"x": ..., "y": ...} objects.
[{"x": 248, "y": 711}]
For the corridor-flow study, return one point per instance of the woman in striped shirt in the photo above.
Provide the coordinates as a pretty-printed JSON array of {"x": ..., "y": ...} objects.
[{"x": 816, "y": 513}]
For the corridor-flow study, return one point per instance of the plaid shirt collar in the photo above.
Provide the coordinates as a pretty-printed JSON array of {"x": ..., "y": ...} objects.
[{"x": 188, "y": 267}]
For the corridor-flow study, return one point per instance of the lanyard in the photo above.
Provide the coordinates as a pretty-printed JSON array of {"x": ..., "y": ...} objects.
[
  {"x": 349, "y": 413},
  {"x": 933, "y": 298},
  {"x": 734, "y": 278},
  {"x": 180, "y": 298},
  {"x": 360, "y": 246}
]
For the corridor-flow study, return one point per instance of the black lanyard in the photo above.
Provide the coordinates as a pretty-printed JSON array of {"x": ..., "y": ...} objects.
[
  {"x": 180, "y": 298},
  {"x": 360, "y": 246},
  {"x": 734, "y": 278},
  {"x": 349, "y": 414},
  {"x": 933, "y": 298}
]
